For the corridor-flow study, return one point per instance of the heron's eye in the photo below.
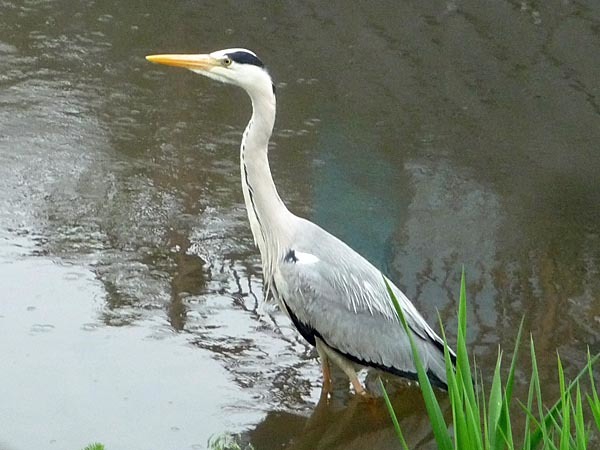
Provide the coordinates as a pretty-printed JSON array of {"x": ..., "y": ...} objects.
[{"x": 227, "y": 62}]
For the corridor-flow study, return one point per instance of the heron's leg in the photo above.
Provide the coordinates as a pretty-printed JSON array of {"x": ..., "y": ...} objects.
[
  {"x": 343, "y": 364},
  {"x": 327, "y": 385}
]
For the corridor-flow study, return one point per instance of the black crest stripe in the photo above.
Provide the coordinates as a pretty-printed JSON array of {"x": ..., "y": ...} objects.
[{"x": 242, "y": 57}]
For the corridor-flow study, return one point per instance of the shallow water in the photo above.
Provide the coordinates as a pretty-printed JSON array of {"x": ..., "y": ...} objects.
[{"x": 427, "y": 135}]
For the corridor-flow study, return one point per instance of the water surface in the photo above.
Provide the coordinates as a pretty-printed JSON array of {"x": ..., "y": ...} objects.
[{"x": 428, "y": 135}]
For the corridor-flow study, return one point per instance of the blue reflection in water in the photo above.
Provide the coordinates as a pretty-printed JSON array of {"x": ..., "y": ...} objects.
[{"x": 357, "y": 193}]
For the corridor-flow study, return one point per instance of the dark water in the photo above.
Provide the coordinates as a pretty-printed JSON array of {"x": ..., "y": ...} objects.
[{"x": 428, "y": 135}]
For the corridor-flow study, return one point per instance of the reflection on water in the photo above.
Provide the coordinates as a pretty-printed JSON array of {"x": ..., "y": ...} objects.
[
  {"x": 452, "y": 220},
  {"x": 428, "y": 136},
  {"x": 353, "y": 424}
]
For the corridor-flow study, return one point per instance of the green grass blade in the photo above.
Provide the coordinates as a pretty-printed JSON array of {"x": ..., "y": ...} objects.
[
  {"x": 463, "y": 368},
  {"x": 504, "y": 422},
  {"x": 450, "y": 372},
  {"x": 473, "y": 424},
  {"x": 495, "y": 408},
  {"x": 564, "y": 428},
  {"x": 472, "y": 435},
  {"x": 484, "y": 413},
  {"x": 94, "y": 446},
  {"x": 440, "y": 430},
  {"x": 461, "y": 431},
  {"x": 392, "y": 413},
  {"x": 481, "y": 406},
  {"x": 541, "y": 432},
  {"x": 579, "y": 420},
  {"x": 537, "y": 435},
  {"x": 454, "y": 394},
  {"x": 506, "y": 438},
  {"x": 593, "y": 400},
  {"x": 595, "y": 407},
  {"x": 505, "y": 426},
  {"x": 465, "y": 404},
  {"x": 513, "y": 363},
  {"x": 528, "y": 418}
]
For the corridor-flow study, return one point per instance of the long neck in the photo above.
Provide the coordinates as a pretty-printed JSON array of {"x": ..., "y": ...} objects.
[{"x": 269, "y": 218}]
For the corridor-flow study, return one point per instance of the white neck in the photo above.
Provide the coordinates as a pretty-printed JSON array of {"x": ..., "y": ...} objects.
[{"x": 269, "y": 219}]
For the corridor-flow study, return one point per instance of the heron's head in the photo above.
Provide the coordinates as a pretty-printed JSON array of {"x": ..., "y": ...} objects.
[{"x": 234, "y": 66}]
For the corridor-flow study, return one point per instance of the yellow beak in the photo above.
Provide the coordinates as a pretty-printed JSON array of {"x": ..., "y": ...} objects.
[{"x": 192, "y": 62}]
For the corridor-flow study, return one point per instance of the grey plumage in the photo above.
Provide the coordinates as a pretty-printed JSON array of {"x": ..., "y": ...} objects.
[{"x": 341, "y": 296}]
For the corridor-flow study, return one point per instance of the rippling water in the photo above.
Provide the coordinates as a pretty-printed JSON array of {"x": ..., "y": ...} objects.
[{"x": 427, "y": 135}]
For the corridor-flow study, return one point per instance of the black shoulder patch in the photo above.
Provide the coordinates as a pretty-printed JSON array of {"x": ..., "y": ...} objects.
[
  {"x": 290, "y": 257},
  {"x": 243, "y": 57}
]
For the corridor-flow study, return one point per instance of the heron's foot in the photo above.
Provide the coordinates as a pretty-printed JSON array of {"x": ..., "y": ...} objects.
[
  {"x": 366, "y": 396},
  {"x": 359, "y": 389}
]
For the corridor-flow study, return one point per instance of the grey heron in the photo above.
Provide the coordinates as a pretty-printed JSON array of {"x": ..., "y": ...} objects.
[{"x": 336, "y": 299}]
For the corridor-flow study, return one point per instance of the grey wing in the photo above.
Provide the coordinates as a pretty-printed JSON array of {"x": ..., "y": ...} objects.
[{"x": 335, "y": 293}]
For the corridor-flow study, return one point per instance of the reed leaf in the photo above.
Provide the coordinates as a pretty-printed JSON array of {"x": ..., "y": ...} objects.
[
  {"x": 440, "y": 430},
  {"x": 392, "y": 413}
]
